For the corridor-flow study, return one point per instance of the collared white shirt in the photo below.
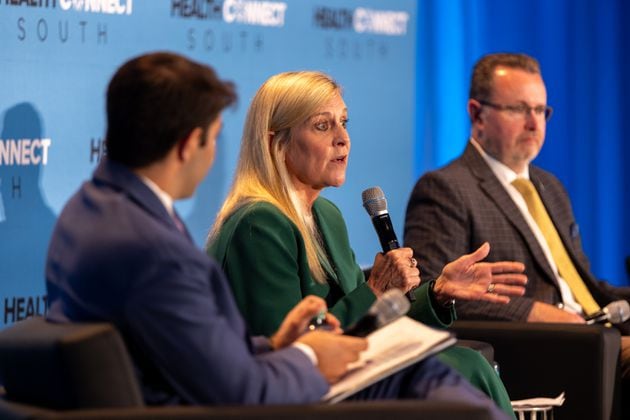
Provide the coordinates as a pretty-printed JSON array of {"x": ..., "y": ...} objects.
[
  {"x": 506, "y": 176},
  {"x": 162, "y": 195}
]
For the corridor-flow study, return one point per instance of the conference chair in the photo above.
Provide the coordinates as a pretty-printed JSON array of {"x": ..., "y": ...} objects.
[
  {"x": 543, "y": 360},
  {"x": 83, "y": 371}
]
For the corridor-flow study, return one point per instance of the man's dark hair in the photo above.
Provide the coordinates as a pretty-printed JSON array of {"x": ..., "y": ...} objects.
[
  {"x": 155, "y": 100},
  {"x": 483, "y": 72}
]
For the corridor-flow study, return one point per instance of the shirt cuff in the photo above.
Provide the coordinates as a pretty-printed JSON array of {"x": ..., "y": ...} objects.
[{"x": 307, "y": 350}]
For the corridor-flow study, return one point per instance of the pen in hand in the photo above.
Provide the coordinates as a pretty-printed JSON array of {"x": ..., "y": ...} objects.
[{"x": 318, "y": 322}]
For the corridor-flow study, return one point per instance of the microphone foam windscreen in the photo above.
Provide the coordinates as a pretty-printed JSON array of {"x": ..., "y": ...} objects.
[
  {"x": 374, "y": 201},
  {"x": 390, "y": 306},
  {"x": 619, "y": 311}
]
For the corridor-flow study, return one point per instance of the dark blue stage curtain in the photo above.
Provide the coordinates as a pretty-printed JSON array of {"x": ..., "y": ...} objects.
[{"x": 583, "y": 48}]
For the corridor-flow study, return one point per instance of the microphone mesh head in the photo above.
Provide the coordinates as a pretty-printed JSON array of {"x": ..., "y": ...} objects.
[
  {"x": 389, "y": 307},
  {"x": 374, "y": 201},
  {"x": 619, "y": 311}
]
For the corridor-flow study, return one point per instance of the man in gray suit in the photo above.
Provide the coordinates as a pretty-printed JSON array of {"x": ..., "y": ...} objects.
[{"x": 486, "y": 196}]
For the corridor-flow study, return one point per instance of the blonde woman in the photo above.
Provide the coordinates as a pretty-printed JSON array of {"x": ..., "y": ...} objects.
[{"x": 279, "y": 241}]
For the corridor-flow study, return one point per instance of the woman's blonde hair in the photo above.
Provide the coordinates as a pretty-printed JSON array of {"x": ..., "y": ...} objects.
[{"x": 283, "y": 102}]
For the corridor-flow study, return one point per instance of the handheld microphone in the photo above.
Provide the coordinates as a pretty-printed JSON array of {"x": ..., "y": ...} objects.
[
  {"x": 375, "y": 204},
  {"x": 615, "y": 312},
  {"x": 389, "y": 307}
]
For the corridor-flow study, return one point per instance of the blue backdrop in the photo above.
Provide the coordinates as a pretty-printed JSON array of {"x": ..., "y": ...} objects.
[
  {"x": 57, "y": 56},
  {"x": 404, "y": 65}
]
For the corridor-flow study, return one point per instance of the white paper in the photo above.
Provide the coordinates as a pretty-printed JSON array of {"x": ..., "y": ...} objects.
[{"x": 390, "y": 349}]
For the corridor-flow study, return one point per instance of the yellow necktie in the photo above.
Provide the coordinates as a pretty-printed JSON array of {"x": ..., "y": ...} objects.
[{"x": 558, "y": 251}]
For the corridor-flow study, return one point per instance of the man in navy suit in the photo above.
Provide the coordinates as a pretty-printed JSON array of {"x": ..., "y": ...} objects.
[{"x": 119, "y": 253}]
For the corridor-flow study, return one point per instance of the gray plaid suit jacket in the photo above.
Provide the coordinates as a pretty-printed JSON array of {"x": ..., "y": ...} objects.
[{"x": 453, "y": 210}]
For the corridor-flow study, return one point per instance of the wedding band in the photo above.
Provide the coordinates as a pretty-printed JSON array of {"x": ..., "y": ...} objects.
[
  {"x": 490, "y": 288},
  {"x": 413, "y": 262}
]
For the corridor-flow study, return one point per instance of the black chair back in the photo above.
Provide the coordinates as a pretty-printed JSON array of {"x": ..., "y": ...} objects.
[{"x": 67, "y": 366}]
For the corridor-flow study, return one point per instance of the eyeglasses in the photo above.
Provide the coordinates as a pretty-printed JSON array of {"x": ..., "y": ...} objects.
[{"x": 522, "y": 109}]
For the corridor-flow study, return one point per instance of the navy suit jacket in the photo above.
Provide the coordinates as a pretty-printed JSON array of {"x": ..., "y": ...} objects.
[
  {"x": 116, "y": 255},
  {"x": 453, "y": 210}
]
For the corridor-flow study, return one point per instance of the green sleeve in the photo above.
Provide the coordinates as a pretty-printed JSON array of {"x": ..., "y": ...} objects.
[
  {"x": 353, "y": 305},
  {"x": 424, "y": 309}
]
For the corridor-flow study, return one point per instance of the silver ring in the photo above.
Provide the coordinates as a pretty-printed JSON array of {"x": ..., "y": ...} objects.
[
  {"x": 490, "y": 288},
  {"x": 413, "y": 262}
]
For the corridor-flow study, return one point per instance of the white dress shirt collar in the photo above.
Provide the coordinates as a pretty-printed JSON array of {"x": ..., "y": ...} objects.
[
  {"x": 502, "y": 172},
  {"x": 162, "y": 195}
]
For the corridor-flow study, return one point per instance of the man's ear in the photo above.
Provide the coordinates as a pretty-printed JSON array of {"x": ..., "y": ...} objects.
[
  {"x": 474, "y": 110},
  {"x": 187, "y": 146}
]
